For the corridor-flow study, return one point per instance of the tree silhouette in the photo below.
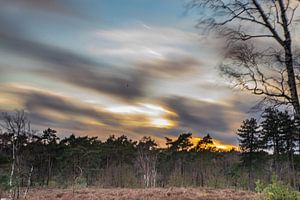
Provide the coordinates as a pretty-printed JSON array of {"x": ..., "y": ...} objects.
[
  {"x": 49, "y": 140},
  {"x": 249, "y": 138},
  {"x": 269, "y": 70},
  {"x": 272, "y": 135},
  {"x": 182, "y": 143},
  {"x": 279, "y": 133},
  {"x": 206, "y": 143}
]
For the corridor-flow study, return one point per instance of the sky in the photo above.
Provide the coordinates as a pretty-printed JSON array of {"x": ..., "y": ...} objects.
[{"x": 102, "y": 67}]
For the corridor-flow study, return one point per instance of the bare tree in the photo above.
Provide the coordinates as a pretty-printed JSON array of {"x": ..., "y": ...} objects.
[
  {"x": 17, "y": 125},
  {"x": 146, "y": 161},
  {"x": 261, "y": 52}
]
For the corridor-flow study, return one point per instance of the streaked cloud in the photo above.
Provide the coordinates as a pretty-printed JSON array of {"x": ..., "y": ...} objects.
[
  {"x": 171, "y": 67},
  {"x": 135, "y": 78},
  {"x": 62, "y": 7},
  {"x": 142, "y": 42}
]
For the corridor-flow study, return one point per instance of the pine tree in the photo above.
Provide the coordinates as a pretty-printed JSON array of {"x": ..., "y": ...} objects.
[
  {"x": 287, "y": 129},
  {"x": 206, "y": 143},
  {"x": 289, "y": 135},
  {"x": 249, "y": 139},
  {"x": 49, "y": 140},
  {"x": 279, "y": 132},
  {"x": 272, "y": 134},
  {"x": 183, "y": 142}
]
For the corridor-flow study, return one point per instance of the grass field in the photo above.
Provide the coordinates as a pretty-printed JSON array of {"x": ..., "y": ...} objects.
[{"x": 141, "y": 194}]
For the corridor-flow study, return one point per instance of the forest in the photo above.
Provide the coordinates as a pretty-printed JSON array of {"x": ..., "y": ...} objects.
[{"x": 41, "y": 159}]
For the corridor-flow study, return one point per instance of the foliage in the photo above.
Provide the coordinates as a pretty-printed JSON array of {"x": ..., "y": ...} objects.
[
  {"x": 183, "y": 142},
  {"x": 249, "y": 136},
  {"x": 259, "y": 186},
  {"x": 4, "y": 186},
  {"x": 80, "y": 182},
  {"x": 276, "y": 191},
  {"x": 4, "y": 178},
  {"x": 250, "y": 144}
]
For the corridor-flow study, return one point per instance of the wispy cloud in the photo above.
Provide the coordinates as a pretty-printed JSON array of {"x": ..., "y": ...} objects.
[
  {"x": 140, "y": 79},
  {"x": 142, "y": 42}
]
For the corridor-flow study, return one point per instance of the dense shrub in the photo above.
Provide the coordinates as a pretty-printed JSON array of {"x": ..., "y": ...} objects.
[{"x": 276, "y": 191}]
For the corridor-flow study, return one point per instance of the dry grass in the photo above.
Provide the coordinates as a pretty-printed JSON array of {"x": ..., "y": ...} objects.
[{"x": 141, "y": 194}]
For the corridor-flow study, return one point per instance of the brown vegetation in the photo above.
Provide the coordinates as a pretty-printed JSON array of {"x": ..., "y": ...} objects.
[{"x": 141, "y": 194}]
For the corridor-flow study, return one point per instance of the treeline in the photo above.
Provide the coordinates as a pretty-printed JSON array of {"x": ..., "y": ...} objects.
[{"x": 30, "y": 159}]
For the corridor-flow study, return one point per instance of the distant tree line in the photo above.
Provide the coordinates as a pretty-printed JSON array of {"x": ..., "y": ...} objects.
[{"x": 33, "y": 159}]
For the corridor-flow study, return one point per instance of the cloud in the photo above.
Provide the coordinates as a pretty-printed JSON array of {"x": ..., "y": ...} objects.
[
  {"x": 125, "y": 85},
  {"x": 63, "y": 7},
  {"x": 147, "y": 35},
  {"x": 64, "y": 65},
  {"x": 221, "y": 119},
  {"x": 129, "y": 83},
  {"x": 42, "y": 106},
  {"x": 73, "y": 68},
  {"x": 60, "y": 110},
  {"x": 186, "y": 114},
  {"x": 142, "y": 42},
  {"x": 199, "y": 115},
  {"x": 170, "y": 67},
  {"x": 159, "y": 63}
]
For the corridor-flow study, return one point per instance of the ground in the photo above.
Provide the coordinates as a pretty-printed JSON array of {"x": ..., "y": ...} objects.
[{"x": 141, "y": 194}]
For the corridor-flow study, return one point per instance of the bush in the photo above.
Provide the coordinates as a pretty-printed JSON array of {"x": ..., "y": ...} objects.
[
  {"x": 4, "y": 186},
  {"x": 80, "y": 182},
  {"x": 276, "y": 191},
  {"x": 259, "y": 186},
  {"x": 4, "y": 180}
]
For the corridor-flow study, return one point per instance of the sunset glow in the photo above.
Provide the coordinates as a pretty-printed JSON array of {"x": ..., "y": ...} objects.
[
  {"x": 216, "y": 144},
  {"x": 146, "y": 109},
  {"x": 161, "y": 123},
  {"x": 78, "y": 69}
]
